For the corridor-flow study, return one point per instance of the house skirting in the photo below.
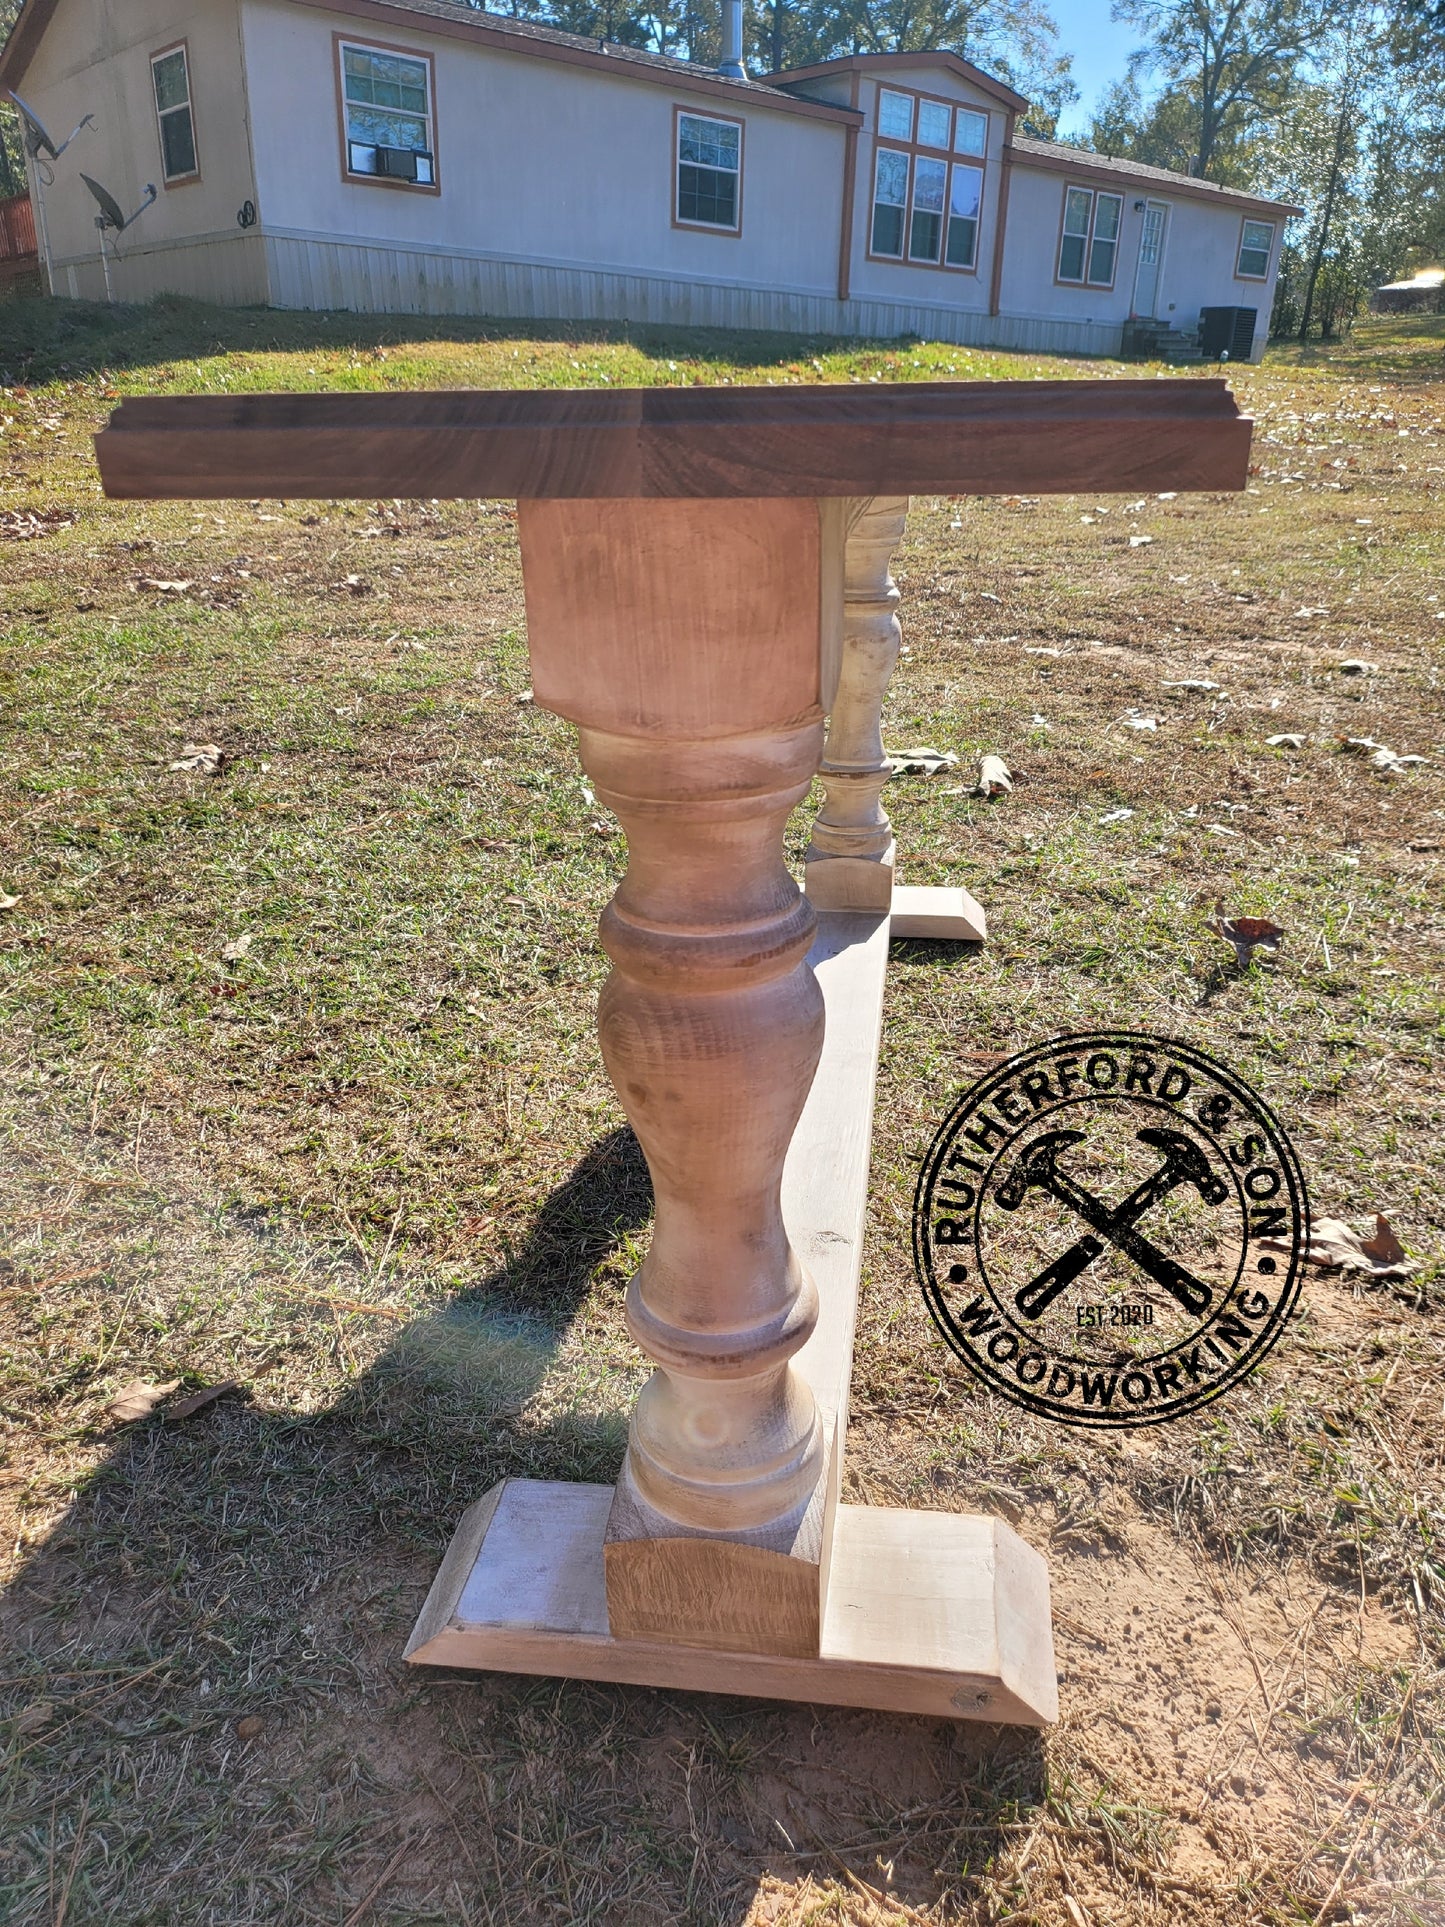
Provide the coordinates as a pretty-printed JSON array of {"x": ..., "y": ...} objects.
[{"x": 297, "y": 270}]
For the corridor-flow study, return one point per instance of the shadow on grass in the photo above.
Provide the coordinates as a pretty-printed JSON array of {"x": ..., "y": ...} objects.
[
  {"x": 44, "y": 340},
  {"x": 207, "y": 1718}
]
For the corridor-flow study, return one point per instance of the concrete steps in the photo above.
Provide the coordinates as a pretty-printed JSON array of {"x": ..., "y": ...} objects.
[{"x": 1157, "y": 341}]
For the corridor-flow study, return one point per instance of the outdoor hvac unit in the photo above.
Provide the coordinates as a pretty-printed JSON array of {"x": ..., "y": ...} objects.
[
  {"x": 393, "y": 163},
  {"x": 1227, "y": 333}
]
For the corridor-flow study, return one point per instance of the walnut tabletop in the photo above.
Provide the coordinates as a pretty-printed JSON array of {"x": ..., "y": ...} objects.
[{"x": 854, "y": 439}]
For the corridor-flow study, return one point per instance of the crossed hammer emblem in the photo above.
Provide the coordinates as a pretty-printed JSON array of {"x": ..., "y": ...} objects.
[{"x": 1038, "y": 1168}]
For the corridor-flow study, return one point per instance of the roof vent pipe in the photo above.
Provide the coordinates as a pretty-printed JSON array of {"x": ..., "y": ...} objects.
[{"x": 732, "y": 41}]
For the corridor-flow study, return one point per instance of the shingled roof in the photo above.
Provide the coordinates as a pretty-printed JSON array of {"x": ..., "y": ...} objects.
[{"x": 1082, "y": 160}]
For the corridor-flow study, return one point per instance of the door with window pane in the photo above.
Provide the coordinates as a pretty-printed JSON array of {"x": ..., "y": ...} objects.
[{"x": 1151, "y": 259}]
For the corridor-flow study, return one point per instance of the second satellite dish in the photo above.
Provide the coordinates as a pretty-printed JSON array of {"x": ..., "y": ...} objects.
[{"x": 110, "y": 215}]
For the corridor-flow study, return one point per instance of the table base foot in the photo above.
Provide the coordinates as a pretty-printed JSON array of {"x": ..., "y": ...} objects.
[
  {"x": 934, "y": 1613},
  {"x": 922, "y": 911}
]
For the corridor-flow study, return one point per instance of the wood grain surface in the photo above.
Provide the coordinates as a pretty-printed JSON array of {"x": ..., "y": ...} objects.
[
  {"x": 994, "y": 437},
  {"x": 937, "y": 1613}
]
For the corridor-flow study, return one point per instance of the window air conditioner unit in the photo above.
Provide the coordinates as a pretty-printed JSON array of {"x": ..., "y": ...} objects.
[{"x": 404, "y": 164}]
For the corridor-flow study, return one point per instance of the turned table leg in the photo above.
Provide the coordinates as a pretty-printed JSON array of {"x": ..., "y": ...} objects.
[
  {"x": 850, "y": 855},
  {"x": 693, "y": 643},
  {"x": 696, "y": 678}
]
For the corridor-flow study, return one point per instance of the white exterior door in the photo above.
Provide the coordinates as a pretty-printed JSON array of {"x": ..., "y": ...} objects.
[{"x": 1151, "y": 258}]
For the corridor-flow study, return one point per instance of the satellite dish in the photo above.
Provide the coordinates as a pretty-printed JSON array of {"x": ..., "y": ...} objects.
[
  {"x": 37, "y": 140},
  {"x": 110, "y": 215}
]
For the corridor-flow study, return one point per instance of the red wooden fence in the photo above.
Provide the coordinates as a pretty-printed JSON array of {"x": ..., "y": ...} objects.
[{"x": 17, "y": 229}]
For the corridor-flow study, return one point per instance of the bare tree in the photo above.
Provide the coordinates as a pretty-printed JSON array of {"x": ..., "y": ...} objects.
[{"x": 1233, "y": 60}]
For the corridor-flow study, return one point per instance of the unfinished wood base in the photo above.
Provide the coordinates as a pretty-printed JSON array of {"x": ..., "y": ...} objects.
[
  {"x": 926, "y": 1612},
  {"x": 921, "y": 911}
]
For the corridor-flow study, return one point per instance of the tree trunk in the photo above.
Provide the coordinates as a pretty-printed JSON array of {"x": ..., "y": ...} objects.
[
  {"x": 1332, "y": 189},
  {"x": 777, "y": 49}
]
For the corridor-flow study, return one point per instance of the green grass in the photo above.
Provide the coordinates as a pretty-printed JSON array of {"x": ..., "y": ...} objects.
[{"x": 372, "y": 1171}]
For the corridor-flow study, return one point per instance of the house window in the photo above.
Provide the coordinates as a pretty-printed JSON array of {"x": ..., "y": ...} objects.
[
  {"x": 964, "y": 204},
  {"x": 1256, "y": 242},
  {"x": 171, "y": 79},
  {"x": 925, "y": 227},
  {"x": 935, "y": 119},
  {"x": 1089, "y": 243},
  {"x": 890, "y": 198},
  {"x": 970, "y": 134},
  {"x": 895, "y": 115},
  {"x": 926, "y": 209},
  {"x": 387, "y": 100},
  {"x": 709, "y": 172}
]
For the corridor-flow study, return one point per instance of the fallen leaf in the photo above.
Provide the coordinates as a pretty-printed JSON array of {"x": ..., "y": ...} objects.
[
  {"x": 1039, "y": 649},
  {"x": 250, "y": 1726},
  {"x": 922, "y": 761},
  {"x": 234, "y": 952},
  {"x": 1117, "y": 816},
  {"x": 161, "y": 586},
  {"x": 1291, "y": 739},
  {"x": 139, "y": 1399},
  {"x": 1192, "y": 682},
  {"x": 204, "y": 759},
  {"x": 36, "y": 1716},
  {"x": 993, "y": 777},
  {"x": 1336, "y": 1246},
  {"x": 7, "y": 903},
  {"x": 1140, "y": 722},
  {"x": 1247, "y": 934},
  {"x": 1140, "y": 541},
  {"x": 194, "y": 1402},
  {"x": 1391, "y": 764},
  {"x": 1223, "y": 829},
  {"x": 1355, "y": 666}
]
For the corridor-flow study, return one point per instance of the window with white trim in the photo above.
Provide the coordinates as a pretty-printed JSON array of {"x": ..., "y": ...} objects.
[
  {"x": 926, "y": 206},
  {"x": 970, "y": 133},
  {"x": 965, "y": 205},
  {"x": 1089, "y": 243},
  {"x": 171, "y": 79},
  {"x": 890, "y": 199},
  {"x": 895, "y": 115},
  {"x": 709, "y": 172},
  {"x": 937, "y": 208},
  {"x": 387, "y": 100},
  {"x": 1256, "y": 244}
]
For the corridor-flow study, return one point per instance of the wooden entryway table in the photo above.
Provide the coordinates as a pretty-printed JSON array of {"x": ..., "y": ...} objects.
[{"x": 706, "y": 576}]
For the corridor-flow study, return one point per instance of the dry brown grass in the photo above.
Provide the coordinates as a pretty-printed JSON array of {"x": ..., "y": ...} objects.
[{"x": 372, "y": 1172}]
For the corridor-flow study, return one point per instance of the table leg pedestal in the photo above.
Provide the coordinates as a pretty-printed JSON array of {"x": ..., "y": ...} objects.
[
  {"x": 921, "y": 1612},
  {"x": 690, "y": 641}
]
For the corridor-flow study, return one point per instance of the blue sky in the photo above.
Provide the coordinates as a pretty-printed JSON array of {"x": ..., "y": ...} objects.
[{"x": 1100, "y": 51}]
